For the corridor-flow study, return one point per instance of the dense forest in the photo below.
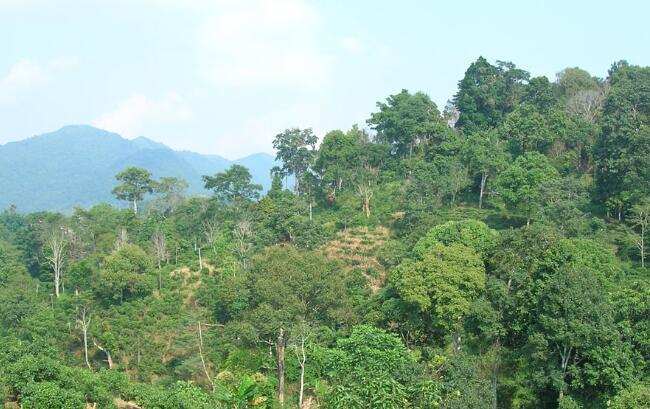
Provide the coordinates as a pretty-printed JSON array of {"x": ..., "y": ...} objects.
[{"x": 490, "y": 254}]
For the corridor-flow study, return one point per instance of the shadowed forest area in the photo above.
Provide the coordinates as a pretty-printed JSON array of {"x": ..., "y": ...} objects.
[{"x": 491, "y": 253}]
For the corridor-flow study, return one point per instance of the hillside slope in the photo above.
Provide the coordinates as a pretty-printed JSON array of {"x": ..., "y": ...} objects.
[{"x": 76, "y": 166}]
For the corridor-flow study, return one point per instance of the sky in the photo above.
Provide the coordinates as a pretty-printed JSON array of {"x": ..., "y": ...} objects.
[{"x": 225, "y": 76}]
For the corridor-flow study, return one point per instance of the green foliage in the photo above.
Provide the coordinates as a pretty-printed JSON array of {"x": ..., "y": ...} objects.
[
  {"x": 405, "y": 120},
  {"x": 371, "y": 369},
  {"x": 135, "y": 184},
  {"x": 442, "y": 284},
  {"x": 124, "y": 274},
  {"x": 233, "y": 185},
  {"x": 296, "y": 149},
  {"x": 622, "y": 149},
  {"x": 48, "y": 395},
  {"x": 471, "y": 233},
  {"x": 520, "y": 185},
  {"x": 636, "y": 396},
  {"x": 399, "y": 273},
  {"x": 487, "y": 93}
]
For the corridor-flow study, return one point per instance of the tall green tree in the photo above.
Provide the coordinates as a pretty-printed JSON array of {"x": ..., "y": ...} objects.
[
  {"x": 296, "y": 149},
  {"x": 406, "y": 120},
  {"x": 136, "y": 183},
  {"x": 623, "y": 148},
  {"x": 485, "y": 155},
  {"x": 233, "y": 185},
  {"x": 338, "y": 158},
  {"x": 442, "y": 285},
  {"x": 520, "y": 186},
  {"x": 487, "y": 93}
]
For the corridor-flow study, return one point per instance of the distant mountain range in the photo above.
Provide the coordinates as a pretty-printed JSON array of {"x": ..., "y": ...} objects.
[{"x": 76, "y": 166}]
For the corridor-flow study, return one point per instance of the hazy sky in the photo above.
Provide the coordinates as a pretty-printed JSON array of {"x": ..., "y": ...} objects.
[{"x": 225, "y": 76}]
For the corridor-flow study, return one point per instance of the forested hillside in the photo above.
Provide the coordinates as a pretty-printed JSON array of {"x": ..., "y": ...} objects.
[
  {"x": 76, "y": 165},
  {"x": 490, "y": 254}
]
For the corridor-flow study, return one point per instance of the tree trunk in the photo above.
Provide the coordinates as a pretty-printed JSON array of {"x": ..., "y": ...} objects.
[
  {"x": 200, "y": 260},
  {"x": 279, "y": 349},
  {"x": 455, "y": 341},
  {"x": 57, "y": 245},
  {"x": 565, "y": 355},
  {"x": 106, "y": 352},
  {"x": 480, "y": 196},
  {"x": 135, "y": 206},
  {"x": 642, "y": 247},
  {"x": 303, "y": 359},
  {"x": 84, "y": 322},
  {"x": 205, "y": 368},
  {"x": 57, "y": 284}
]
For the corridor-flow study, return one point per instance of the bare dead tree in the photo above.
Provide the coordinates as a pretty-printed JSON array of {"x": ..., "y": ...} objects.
[
  {"x": 159, "y": 247},
  {"x": 641, "y": 218},
  {"x": 211, "y": 232},
  {"x": 298, "y": 345},
  {"x": 242, "y": 233},
  {"x": 205, "y": 367},
  {"x": 197, "y": 248},
  {"x": 365, "y": 192},
  {"x": 83, "y": 322},
  {"x": 76, "y": 246},
  {"x": 586, "y": 104},
  {"x": 122, "y": 239},
  {"x": 279, "y": 350},
  {"x": 160, "y": 252},
  {"x": 57, "y": 244},
  {"x": 106, "y": 352}
]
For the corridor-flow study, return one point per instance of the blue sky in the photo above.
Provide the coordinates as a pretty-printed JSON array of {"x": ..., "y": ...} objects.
[{"x": 224, "y": 76}]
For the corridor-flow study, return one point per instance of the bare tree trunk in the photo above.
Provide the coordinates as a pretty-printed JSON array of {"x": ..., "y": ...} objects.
[
  {"x": 135, "y": 206},
  {"x": 205, "y": 368},
  {"x": 122, "y": 239},
  {"x": 83, "y": 321},
  {"x": 279, "y": 349},
  {"x": 160, "y": 251},
  {"x": 303, "y": 359},
  {"x": 455, "y": 341},
  {"x": 480, "y": 196},
  {"x": 565, "y": 355},
  {"x": 641, "y": 245},
  {"x": 243, "y": 232},
  {"x": 57, "y": 245},
  {"x": 109, "y": 360}
]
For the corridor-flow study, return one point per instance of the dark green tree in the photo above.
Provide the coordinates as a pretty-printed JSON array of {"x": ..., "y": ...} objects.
[
  {"x": 405, "y": 121},
  {"x": 623, "y": 148},
  {"x": 519, "y": 187},
  {"x": 233, "y": 185},
  {"x": 487, "y": 93},
  {"x": 296, "y": 149}
]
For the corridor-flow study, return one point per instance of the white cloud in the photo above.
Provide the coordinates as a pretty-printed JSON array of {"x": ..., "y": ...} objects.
[
  {"x": 27, "y": 74},
  {"x": 352, "y": 45},
  {"x": 133, "y": 115},
  {"x": 63, "y": 63},
  {"x": 23, "y": 74},
  {"x": 262, "y": 43}
]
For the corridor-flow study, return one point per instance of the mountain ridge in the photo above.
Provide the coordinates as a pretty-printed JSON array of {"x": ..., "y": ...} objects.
[{"x": 36, "y": 173}]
